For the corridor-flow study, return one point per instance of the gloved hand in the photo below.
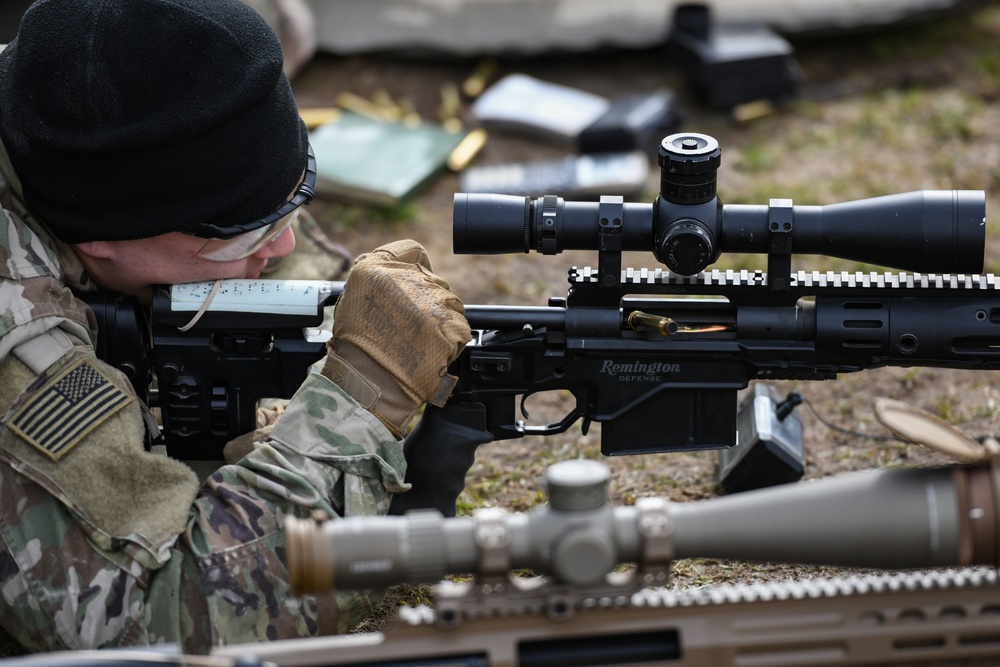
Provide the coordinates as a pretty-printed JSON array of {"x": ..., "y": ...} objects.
[{"x": 396, "y": 328}]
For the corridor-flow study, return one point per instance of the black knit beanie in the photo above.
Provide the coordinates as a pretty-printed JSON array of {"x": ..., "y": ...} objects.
[{"x": 127, "y": 119}]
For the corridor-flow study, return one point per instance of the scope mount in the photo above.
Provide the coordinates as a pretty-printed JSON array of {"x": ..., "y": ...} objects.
[
  {"x": 689, "y": 164},
  {"x": 575, "y": 489},
  {"x": 778, "y": 277}
]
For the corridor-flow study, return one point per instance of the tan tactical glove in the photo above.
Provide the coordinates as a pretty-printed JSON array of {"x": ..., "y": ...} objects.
[{"x": 396, "y": 328}]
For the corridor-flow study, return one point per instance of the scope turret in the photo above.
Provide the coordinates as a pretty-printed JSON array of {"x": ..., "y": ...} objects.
[{"x": 688, "y": 163}]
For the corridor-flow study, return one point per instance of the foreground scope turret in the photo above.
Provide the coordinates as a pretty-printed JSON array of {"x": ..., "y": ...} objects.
[
  {"x": 916, "y": 518},
  {"x": 687, "y": 227}
]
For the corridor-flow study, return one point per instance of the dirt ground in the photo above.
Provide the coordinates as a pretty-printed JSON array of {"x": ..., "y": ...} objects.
[{"x": 891, "y": 111}]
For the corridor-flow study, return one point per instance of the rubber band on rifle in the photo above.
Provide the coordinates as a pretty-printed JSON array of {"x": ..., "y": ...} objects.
[{"x": 204, "y": 306}]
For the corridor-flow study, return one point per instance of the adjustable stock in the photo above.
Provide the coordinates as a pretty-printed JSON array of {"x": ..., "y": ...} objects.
[{"x": 256, "y": 340}]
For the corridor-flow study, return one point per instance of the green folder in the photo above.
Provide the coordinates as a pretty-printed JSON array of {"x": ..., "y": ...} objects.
[{"x": 363, "y": 160}]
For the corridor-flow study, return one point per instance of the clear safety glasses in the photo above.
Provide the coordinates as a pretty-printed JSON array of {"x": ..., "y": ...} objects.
[
  {"x": 246, "y": 244},
  {"x": 228, "y": 244}
]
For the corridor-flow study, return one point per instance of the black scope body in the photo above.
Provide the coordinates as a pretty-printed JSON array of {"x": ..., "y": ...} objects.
[{"x": 687, "y": 227}]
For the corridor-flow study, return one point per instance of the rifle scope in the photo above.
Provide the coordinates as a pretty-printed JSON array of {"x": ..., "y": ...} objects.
[
  {"x": 915, "y": 518},
  {"x": 687, "y": 227}
]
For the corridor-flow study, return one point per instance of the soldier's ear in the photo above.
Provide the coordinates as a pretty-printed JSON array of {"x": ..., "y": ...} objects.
[{"x": 95, "y": 249}]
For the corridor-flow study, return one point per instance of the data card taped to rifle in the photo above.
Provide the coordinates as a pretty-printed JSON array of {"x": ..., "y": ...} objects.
[{"x": 245, "y": 295}]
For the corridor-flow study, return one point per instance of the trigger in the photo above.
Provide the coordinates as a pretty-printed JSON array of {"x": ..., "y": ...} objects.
[{"x": 524, "y": 409}]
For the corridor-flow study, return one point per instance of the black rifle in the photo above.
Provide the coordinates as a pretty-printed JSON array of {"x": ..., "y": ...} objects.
[{"x": 658, "y": 356}]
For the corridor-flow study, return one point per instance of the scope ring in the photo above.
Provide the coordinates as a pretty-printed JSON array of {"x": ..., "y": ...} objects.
[
  {"x": 492, "y": 536},
  {"x": 657, "y": 530}
]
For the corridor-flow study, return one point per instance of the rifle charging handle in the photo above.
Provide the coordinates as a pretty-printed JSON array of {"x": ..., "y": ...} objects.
[{"x": 687, "y": 209}]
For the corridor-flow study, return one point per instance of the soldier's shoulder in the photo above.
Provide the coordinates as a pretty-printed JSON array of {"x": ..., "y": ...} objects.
[
  {"x": 33, "y": 294},
  {"x": 25, "y": 251}
]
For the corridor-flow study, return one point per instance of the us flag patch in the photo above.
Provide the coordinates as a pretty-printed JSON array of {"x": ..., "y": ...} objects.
[{"x": 66, "y": 408}]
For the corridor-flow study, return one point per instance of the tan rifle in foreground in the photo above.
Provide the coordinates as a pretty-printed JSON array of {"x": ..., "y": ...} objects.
[
  {"x": 949, "y": 617},
  {"x": 583, "y": 609}
]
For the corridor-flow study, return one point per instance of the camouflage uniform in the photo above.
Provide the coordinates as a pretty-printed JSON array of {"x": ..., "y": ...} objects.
[{"x": 105, "y": 544}]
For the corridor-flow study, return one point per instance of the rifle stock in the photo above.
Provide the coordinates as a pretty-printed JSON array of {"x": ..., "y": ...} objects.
[{"x": 256, "y": 341}]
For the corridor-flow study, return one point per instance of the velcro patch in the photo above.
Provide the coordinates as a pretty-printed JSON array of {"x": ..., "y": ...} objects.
[{"x": 67, "y": 407}]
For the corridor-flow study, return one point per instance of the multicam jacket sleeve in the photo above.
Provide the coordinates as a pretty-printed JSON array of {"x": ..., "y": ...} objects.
[{"x": 105, "y": 544}]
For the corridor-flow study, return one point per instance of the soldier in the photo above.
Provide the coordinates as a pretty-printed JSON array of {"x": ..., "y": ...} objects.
[{"x": 157, "y": 141}]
